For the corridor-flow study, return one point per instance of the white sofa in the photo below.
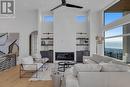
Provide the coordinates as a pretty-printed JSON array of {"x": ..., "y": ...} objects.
[
  {"x": 103, "y": 79},
  {"x": 98, "y": 79}
]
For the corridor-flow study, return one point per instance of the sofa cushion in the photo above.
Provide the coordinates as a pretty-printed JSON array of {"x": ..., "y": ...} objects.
[
  {"x": 107, "y": 59},
  {"x": 86, "y": 68},
  {"x": 27, "y": 60},
  {"x": 115, "y": 61},
  {"x": 98, "y": 58},
  {"x": 35, "y": 66},
  {"x": 89, "y": 61},
  {"x": 30, "y": 67},
  {"x": 69, "y": 79},
  {"x": 111, "y": 67}
]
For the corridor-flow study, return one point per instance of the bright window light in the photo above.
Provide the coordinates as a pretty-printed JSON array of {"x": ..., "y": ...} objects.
[
  {"x": 48, "y": 19},
  {"x": 114, "y": 32},
  {"x": 81, "y": 19},
  {"x": 111, "y": 17}
]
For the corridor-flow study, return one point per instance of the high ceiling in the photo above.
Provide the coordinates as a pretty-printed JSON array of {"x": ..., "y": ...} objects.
[
  {"x": 122, "y": 5},
  {"x": 46, "y": 5}
]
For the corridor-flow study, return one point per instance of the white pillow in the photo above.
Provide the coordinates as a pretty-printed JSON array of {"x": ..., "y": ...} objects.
[
  {"x": 27, "y": 60},
  {"x": 86, "y": 68},
  {"x": 111, "y": 67},
  {"x": 115, "y": 61},
  {"x": 89, "y": 61}
]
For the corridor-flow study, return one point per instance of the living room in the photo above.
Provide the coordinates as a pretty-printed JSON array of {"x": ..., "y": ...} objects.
[{"x": 62, "y": 36}]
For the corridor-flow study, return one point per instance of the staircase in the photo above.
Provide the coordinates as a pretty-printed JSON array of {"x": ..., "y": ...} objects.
[
  {"x": 1, "y": 53},
  {"x": 7, "y": 42},
  {"x": 7, "y": 61}
]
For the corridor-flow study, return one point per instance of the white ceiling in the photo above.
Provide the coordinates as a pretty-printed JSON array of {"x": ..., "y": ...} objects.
[{"x": 46, "y": 5}]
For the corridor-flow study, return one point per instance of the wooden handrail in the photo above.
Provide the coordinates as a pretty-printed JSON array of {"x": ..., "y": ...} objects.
[
  {"x": 2, "y": 52},
  {"x": 11, "y": 46},
  {"x": 9, "y": 55},
  {"x": 3, "y": 35}
]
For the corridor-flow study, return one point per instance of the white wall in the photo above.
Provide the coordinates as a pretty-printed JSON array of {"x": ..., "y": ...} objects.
[
  {"x": 100, "y": 32},
  {"x": 96, "y": 29},
  {"x": 24, "y": 23},
  {"x": 46, "y": 27},
  {"x": 64, "y": 31},
  {"x": 93, "y": 31},
  {"x": 65, "y": 28}
]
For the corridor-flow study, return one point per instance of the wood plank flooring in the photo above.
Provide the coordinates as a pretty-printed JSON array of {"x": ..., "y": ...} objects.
[{"x": 10, "y": 78}]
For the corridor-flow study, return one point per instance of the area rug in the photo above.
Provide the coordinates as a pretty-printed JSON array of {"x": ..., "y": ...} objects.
[{"x": 45, "y": 74}]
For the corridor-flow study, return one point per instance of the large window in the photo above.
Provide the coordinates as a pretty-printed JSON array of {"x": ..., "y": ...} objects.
[
  {"x": 81, "y": 19},
  {"x": 48, "y": 19},
  {"x": 114, "y": 32},
  {"x": 113, "y": 43},
  {"x": 114, "y": 47},
  {"x": 111, "y": 17},
  {"x": 117, "y": 43},
  {"x": 117, "y": 40},
  {"x": 113, "y": 39}
]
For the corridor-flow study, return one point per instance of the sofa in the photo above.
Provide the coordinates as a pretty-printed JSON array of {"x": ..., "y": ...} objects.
[{"x": 98, "y": 71}]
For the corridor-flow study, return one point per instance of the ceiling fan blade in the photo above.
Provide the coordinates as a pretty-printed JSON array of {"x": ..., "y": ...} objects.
[
  {"x": 74, "y": 6},
  {"x": 63, "y": 1},
  {"x": 56, "y": 7}
]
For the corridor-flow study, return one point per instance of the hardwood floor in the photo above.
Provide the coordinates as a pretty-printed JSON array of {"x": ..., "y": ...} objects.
[{"x": 10, "y": 78}]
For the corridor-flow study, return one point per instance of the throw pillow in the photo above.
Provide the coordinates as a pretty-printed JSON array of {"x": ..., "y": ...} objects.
[
  {"x": 111, "y": 67},
  {"x": 89, "y": 61},
  {"x": 86, "y": 68},
  {"x": 115, "y": 61}
]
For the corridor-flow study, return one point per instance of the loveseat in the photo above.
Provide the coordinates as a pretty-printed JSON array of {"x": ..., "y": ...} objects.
[{"x": 110, "y": 73}]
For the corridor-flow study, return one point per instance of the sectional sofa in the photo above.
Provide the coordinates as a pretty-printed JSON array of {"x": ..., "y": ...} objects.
[{"x": 98, "y": 71}]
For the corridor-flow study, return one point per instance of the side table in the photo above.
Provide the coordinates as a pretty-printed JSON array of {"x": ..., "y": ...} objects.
[
  {"x": 56, "y": 79},
  {"x": 61, "y": 66}
]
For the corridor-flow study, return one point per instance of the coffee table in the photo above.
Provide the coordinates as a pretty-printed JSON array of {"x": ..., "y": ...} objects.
[
  {"x": 69, "y": 64},
  {"x": 63, "y": 65}
]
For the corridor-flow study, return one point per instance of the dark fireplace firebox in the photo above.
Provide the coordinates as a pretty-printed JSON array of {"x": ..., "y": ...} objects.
[{"x": 67, "y": 56}]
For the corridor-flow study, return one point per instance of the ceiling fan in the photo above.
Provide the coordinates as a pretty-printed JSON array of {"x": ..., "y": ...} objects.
[{"x": 67, "y": 5}]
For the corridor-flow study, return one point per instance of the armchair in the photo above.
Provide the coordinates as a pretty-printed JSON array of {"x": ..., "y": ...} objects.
[
  {"x": 28, "y": 67},
  {"x": 38, "y": 59}
]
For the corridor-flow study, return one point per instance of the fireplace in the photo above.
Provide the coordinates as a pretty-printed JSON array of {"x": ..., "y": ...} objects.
[{"x": 64, "y": 56}]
